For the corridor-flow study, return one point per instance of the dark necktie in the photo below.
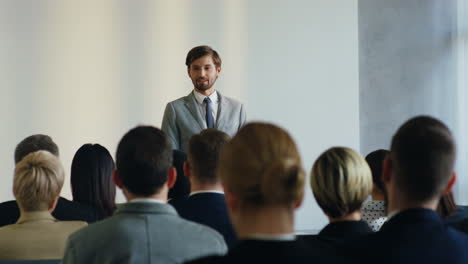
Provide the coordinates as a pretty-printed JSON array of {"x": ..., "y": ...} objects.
[{"x": 209, "y": 115}]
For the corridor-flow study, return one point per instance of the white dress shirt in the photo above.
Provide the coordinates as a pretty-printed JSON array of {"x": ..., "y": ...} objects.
[{"x": 214, "y": 104}]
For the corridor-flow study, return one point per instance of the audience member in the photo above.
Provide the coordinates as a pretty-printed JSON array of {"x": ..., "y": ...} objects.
[
  {"x": 145, "y": 229},
  {"x": 263, "y": 180},
  {"x": 418, "y": 171},
  {"x": 206, "y": 203},
  {"x": 37, "y": 234},
  {"x": 341, "y": 181},
  {"x": 65, "y": 209},
  {"x": 181, "y": 187},
  {"x": 91, "y": 179},
  {"x": 374, "y": 212}
]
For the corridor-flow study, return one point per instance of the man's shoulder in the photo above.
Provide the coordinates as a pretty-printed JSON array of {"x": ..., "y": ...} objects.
[
  {"x": 181, "y": 100},
  {"x": 229, "y": 100}
]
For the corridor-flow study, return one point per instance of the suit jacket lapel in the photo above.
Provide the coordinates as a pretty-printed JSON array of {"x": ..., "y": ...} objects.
[
  {"x": 192, "y": 106},
  {"x": 222, "y": 110}
]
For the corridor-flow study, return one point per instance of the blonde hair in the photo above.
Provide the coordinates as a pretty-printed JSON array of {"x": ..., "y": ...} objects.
[
  {"x": 341, "y": 180},
  {"x": 38, "y": 181},
  {"x": 262, "y": 166}
]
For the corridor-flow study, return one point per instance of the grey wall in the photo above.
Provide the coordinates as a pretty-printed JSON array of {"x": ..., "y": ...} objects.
[{"x": 407, "y": 65}]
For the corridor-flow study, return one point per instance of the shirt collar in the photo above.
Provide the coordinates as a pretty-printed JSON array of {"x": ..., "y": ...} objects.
[
  {"x": 269, "y": 237},
  {"x": 197, "y": 192},
  {"x": 147, "y": 200},
  {"x": 200, "y": 97}
]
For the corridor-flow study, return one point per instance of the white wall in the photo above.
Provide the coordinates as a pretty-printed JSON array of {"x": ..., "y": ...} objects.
[{"x": 87, "y": 71}]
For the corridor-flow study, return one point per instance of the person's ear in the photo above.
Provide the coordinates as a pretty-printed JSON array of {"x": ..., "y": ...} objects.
[
  {"x": 218, "y": 70},
  {"x": 171, "y": 177},
  {"x": 451, "y": 183},
  {"x": 52, "y": 205},
  {"x": 188, "y": 72},
  {"x": 186, "y": 169},
  {"x": 117, "y": 180},
  {"x": 232, "y": 202},
  {"x": 299, "y": 202},
  {"x": 387, "y": 169}
]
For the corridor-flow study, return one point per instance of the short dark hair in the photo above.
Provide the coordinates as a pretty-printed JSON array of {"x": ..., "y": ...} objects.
[
  {"x": 201, "y": 51},
  {"x": 203, "y": 154},
  {"x": 375, "y": 160},
  {"x": 35, "y": 143},
  {"x": 181, "y": 187},
  {"x": 91, "y": 179},
  {"x": 144, "y": 157},
  {"x": 423, "y": 156}
]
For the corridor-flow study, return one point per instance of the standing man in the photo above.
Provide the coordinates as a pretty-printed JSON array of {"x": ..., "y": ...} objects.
[{"x": 204, "y": 107}]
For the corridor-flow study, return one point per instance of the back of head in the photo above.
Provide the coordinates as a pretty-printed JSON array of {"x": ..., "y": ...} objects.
[
  {"x": 203, "y": 154},
  {"x": 375, "y": 161},
  {"x": 341, "y": 181},
  {"x": 144, "y": 156},
  {"x": 202, "y": 51},
  {"x": 91, "y": 178},
  {"x": 38, "y": 181},
  {"x": 423, "y": 156},
  {"x": 35, "y": 143},
  {"x": 262, "y": 167}
]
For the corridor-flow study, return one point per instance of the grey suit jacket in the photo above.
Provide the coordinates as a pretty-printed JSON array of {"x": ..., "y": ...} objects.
[
  {"x": 183, "y": 118},
  {"x": 143, "y": 233}
]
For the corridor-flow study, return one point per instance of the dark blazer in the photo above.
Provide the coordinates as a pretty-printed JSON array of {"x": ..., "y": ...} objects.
[
  {"x": 337, "y": 233},
  {"x": 459, "y": 220},
  {"x": 271, "y": 252},
  {"x": 65, "y": 211},
  {"x": 412, "y": 236},
  {"x": 207, "y": 209}
]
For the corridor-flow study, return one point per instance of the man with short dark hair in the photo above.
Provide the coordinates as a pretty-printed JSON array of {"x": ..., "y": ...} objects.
[
  {"x": 206, "y": 202},
  {"x": 416, "y": 174},
  {"x": 204, "y": 107},
  {"x": 65, "y": 210},
  {"x": 145, "y": 229}
]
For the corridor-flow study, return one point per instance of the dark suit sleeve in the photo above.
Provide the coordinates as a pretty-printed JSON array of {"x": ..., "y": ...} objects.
[{"x": 169, "y": 126}]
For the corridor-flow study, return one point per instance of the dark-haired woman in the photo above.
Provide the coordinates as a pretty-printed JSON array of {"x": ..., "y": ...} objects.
[{"x": 91, "y": 179}]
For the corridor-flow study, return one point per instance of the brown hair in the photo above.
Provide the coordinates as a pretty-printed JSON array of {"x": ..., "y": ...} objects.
[
  {"x": 341, "y": 181},
  {"x": 35, "y": 143},
  {"x": 423, "y": 156},
  {"x": 203, "y": 154},
  {"x": 447, "y": 206},
  {"x": 38, "y": 180},
  {"x": 262, "y": 166},
  {"x": 375, "y": 160},
  {"x": 201, "y": 51}
]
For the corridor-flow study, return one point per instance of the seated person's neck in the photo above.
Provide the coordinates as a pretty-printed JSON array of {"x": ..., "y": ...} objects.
[{"x": 354, "y": 216}]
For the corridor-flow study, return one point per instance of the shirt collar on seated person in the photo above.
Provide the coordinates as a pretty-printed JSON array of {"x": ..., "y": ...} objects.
[
  {"x": 147, "y": 200},
  {"x": 270, "y": 237}
]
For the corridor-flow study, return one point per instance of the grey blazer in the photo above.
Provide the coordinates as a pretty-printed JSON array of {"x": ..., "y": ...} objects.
[
  {"x": 183, "y": 118},
  {"x": 143, "y": 233}
]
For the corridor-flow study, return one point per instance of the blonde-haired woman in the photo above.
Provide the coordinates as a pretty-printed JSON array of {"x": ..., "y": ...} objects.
[
  {"x": 263, "y": 180},
  {"x": 37, "y": 234},
  {"x": 341, "y": 181}
]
